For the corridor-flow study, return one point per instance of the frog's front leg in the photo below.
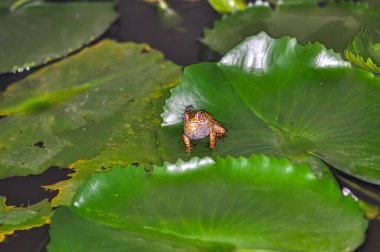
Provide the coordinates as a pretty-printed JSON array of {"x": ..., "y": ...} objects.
[
  {"x": 212, "y": 139},
  {"x": 186, "y": 141}
]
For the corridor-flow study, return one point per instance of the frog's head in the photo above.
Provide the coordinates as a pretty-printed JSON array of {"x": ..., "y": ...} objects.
[{"x": 193, "y": 116}]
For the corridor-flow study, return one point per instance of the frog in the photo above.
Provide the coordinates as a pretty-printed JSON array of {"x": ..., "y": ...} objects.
[{"x": 199, "y": 124}]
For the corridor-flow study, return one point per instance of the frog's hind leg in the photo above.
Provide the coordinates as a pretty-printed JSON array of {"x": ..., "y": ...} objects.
[
  {"x": 186, "y": 141},
  {"x": 220, "y": 131},
  {"x": 221, "y": 135}
]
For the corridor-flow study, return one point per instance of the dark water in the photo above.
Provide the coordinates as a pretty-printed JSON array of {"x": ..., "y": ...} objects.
[{"x": 138, "y": 22}]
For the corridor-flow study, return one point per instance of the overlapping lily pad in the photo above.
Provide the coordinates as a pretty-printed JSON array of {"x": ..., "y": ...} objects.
[
  {"x": 36, "y": 32},
  {"x": 233, "y": 204},
  {"x": 333, "y": 25},
  {"x": 283, "y": 99},
  {"x": 364, "y": 52}
]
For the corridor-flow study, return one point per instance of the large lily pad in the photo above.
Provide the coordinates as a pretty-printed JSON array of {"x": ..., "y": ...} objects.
[
  {"x": 334, "y": 25},
  {"x": 106, "y": 93},
  {"x": 36, "y": 32},
  {"x": 233, "y": 204},
  {"x": 18, "y": 218},
  {"x": 283, "y": 99},
  {"x": 89, "y": 112}
]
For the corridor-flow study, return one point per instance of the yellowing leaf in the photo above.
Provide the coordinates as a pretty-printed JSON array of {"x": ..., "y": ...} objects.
[{"x": 20, "y": 218}]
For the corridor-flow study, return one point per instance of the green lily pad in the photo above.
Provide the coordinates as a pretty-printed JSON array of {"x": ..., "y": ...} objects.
[
  {"x": 279, "y": 98},
  {"x": 19, "y": 218},
  {"x": 233, "y": 204},
  {"x": 37, "y": 32},
  {"x": 133, "y": 141},
  {"x": 363, "y": 52},
  {"x": 107, "y": 90},
  {"x": 334, "y": 25}
]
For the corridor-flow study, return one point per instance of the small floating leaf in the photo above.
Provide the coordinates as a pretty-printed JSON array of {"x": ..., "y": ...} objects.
[
  {"x": 20, "y": 218},
  {"x": 363, "y": 52},
  {"x": 169, "y": 18},
  {"x": 227, "y": 6}
]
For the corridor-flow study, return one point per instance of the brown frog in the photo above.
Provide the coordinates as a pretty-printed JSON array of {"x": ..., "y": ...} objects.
[{"x": 198, "y": 124}]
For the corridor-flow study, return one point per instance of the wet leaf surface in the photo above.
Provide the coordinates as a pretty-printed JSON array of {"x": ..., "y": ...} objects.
[
  {"x": 114, "y": 150},
  {"x": 37, "y": 32},
  {"x": 233, "y": 204},
  {"x": 308, "y": 23},
  {"x": 119, "y": 80},
  {"x": 280, "y": 98}
]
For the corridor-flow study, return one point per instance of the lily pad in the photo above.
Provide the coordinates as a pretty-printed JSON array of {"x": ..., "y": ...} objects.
[
  {"x": 134, "y": 141},
  {"x": 89, "y": 112},
  {"x": 282, "y": 99},
  {"x": 364, "y": 52},
  {"x": 233, "y": 204},
  {"x": 19, "y": 218},
  {"x": 107, "y": 89},
  {"x": 305, "y": 22},
  {"x": 37, "y": 32}
]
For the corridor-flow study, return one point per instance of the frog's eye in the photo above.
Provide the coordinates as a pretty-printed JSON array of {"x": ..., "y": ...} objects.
[{"x": 199, "y": 115}]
